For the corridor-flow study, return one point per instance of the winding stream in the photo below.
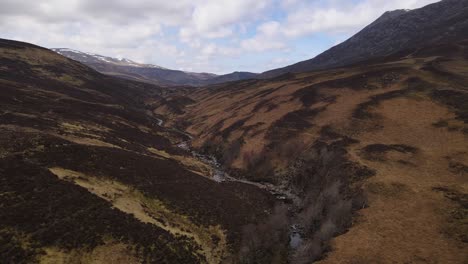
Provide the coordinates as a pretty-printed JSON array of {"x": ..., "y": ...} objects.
[
  {"x": 295, "y": 237},
  {"x": 281, "y": 193},
  {"x": 220, "y": 175}
]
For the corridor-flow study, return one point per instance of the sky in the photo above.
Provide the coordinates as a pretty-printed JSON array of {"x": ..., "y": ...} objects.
[{"x": 217, "y": 36}]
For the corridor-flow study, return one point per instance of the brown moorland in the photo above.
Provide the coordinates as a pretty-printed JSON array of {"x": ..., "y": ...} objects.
[
  {"x": 368, "y": 162},
  {"x": 365, "y": 163},
  {"x": 87, "y": 173},
  {"x": 375, "y": 155}
]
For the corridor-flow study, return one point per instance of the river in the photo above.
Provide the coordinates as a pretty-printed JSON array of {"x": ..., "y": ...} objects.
[{"x": 220, "y": 175}]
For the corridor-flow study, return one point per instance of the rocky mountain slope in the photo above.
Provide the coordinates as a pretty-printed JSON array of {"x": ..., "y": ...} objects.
[
  {"x": 127, "y": 69},
  {"x": 394, "y": 31}
]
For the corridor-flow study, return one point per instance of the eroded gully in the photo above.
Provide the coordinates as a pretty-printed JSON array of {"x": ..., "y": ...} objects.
[{"x": 281, "y": 192}]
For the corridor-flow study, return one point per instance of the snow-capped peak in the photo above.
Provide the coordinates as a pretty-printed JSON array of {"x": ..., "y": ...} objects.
[{"x": 87, "y": 57}]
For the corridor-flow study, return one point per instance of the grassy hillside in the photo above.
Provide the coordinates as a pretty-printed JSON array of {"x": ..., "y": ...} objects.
[
  {"x": 373, "y": 154},
  {"x": 88, "y": 176},
  {"x": 366, "y": 164}
]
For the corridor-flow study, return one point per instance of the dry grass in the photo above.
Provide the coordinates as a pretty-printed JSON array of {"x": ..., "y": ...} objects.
[
  {"x": 85, "y": 141},
  {"x": 152, "y": 211},
  {"x": 406, "y": 219},
  {"x": 110, "y": 252},
  {"x": 188, "y": 162}
]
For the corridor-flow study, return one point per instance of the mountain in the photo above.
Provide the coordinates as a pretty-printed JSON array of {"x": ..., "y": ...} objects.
[
  {"x": 374, "y": 154},
  {"x": 88, "y": 172},
  {"x": 361, "y": 163},
  {"x": 368, "y": 153},
  {"x": 91, "y": 58},
  {"x": 235, "y": 76},
  {"x": 394, "y": 31},
  {"x": 125, "y": 68}
]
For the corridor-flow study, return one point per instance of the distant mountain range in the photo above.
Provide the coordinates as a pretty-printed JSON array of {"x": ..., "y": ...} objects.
[
  {"x": 128, "y": 69},
  {"x": 86, "y": 57},
  {"x": 394, "y": 31}
]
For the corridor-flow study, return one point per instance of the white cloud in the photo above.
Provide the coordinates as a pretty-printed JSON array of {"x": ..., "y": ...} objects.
[
  {"x": 268, "y": 37},
  {"x": 213, "y": 14},
  {"x": 215, "y": 18},
  {"x": 305, "y": 18},
  {"x": 208, "y": 34},
  {"x": 270, "y": 28},
  {"x": 261, "y": 43},
  {"x": 339, "y": 16},
  {"x": 188, "y": 34}
]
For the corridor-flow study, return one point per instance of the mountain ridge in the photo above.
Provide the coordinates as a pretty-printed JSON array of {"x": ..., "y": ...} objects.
[
  {"x": 394, "y": 31},
  {"x": 150, "y": 73},
  {"x": 93, "y": 57}
]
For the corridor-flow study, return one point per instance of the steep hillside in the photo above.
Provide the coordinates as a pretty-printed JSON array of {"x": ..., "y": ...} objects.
[
  {"x": 231, "y": 77},
  {"x": 394, "y": 31},
  {"x": 149, "y": 73},
  {"x": 88, "y": 174},
  {"x": 373, "y": 154}
]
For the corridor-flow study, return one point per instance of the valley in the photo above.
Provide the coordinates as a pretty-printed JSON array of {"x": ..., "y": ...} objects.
[
  {"x": 345, "y": 126},
  {"x": 111, "y": 163},
  {"x": 359, "y": 155}
]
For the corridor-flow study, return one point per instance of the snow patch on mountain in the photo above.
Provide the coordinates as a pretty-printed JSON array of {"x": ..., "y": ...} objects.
[{"x": 88, "y": 57}]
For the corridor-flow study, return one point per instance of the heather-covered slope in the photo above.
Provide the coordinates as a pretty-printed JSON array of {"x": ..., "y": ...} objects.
[
  {"x": 88, "y": 175},
  {"x": 362, "y": 161},
  {"x": 375, "y": 154}
]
